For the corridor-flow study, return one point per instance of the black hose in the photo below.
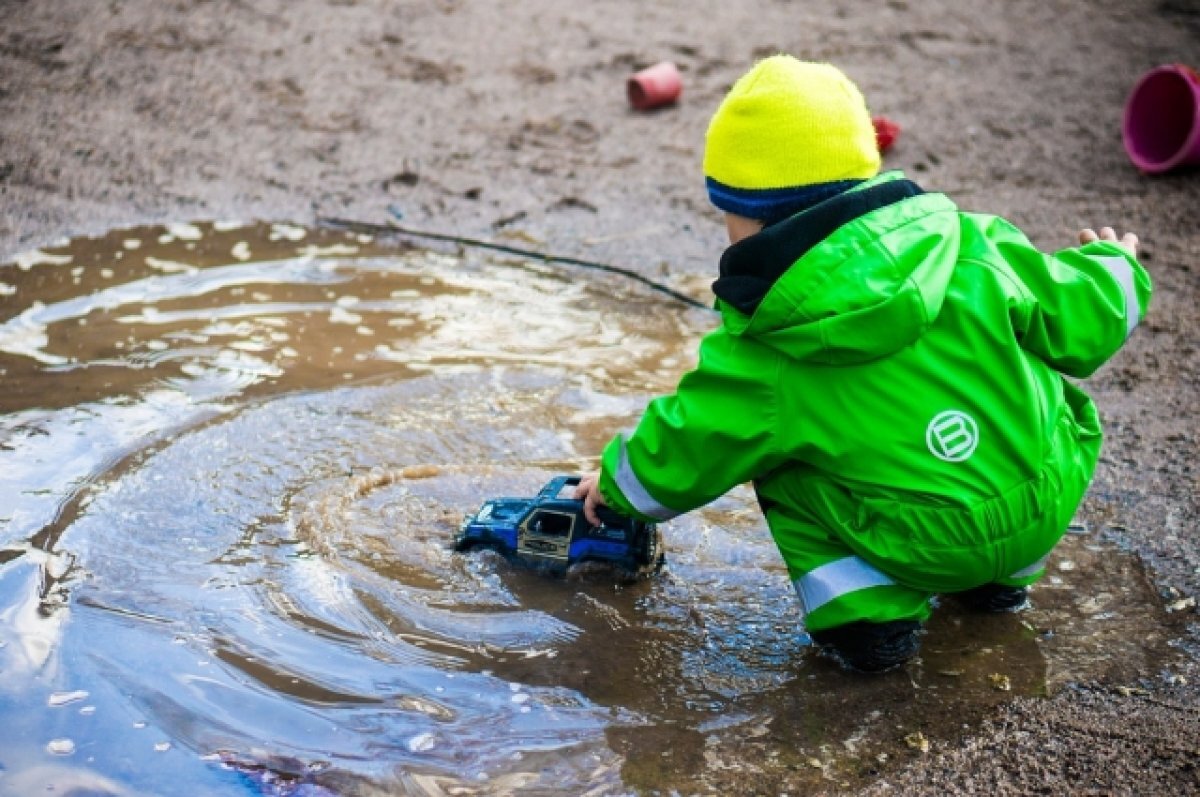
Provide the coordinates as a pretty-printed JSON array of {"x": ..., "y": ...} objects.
[{"x": 396, "y": 229}]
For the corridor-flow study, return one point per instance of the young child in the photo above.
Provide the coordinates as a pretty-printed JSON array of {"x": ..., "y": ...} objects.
[{"x": 888, "y": 373}]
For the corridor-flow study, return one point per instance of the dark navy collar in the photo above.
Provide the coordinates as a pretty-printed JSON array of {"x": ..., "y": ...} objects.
[{"x": 752, "y": 266}]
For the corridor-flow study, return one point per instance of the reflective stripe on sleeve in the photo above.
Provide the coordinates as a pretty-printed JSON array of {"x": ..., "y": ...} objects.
[
  {"x": 835, "y": 579},
  {"x": 636, "y": 494},
  {"x": 1033, "y": 569},
  {"x": 1122, "y": 272}
]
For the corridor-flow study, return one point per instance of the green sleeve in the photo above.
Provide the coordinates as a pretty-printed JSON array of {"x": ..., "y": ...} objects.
[
  {"x": 718, "y": 430},
  {"x": 1081, "y": 304}
]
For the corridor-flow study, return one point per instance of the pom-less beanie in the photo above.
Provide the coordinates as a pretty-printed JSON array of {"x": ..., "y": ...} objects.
[{"x": 789, "y": 132}]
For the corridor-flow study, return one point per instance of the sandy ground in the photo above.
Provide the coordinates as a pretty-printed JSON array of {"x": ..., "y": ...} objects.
[{"x": 509, "y": 121}]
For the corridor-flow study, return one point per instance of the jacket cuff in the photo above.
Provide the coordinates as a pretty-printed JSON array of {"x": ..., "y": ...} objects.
[
  {"x": 623, "y": 490},
  {"x": 1123, "y": 267}
]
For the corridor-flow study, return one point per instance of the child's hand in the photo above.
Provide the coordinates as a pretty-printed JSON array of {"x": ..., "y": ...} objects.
[
  {"x": 589, "y": 490},
  {"x": 1128, "y": 240}
]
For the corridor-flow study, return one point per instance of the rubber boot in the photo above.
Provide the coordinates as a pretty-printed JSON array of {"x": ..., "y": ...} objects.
[
  {"x": 994, "y": 598},
  {"x": 871, "y": 647}
]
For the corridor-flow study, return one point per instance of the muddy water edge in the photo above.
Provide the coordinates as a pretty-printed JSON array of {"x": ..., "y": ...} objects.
[{"x": 232, "y": 458}]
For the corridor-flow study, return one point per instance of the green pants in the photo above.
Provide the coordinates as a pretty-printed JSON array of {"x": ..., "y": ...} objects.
[
  {"x": 883, "y": 559},
  {"x": 836, "y": 586}
]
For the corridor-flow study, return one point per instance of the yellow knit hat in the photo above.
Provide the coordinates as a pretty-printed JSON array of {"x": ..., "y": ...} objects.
[{"x": 788, "y": 124}]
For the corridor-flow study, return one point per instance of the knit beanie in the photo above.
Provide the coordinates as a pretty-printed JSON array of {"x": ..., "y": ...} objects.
[{"x": 789, "y": 134}]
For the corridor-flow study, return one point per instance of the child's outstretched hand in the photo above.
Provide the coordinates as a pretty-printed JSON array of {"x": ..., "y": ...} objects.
[
  {"x": 1128, "y": 240},
  {"x": 588, "y": 489}
]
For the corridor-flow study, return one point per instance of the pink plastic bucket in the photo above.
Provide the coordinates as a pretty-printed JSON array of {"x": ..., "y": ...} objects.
[
  {"x": 654, "y": 86},
  {"x": 1161, "y": 129}
]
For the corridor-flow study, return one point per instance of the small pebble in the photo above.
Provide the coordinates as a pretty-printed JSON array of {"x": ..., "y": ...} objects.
[{"x": 917, "y": 741}]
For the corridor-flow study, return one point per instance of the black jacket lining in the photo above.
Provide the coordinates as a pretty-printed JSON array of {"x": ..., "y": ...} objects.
[{"x": 752, "y": 266}]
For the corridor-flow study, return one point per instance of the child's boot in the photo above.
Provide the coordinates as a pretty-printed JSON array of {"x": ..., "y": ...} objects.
[
  {"x": 994, "y": 598},
  {"x": 871, "y": 647}
]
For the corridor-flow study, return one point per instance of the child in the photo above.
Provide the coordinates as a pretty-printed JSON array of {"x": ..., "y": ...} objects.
[{"x": 888, "y": 374}]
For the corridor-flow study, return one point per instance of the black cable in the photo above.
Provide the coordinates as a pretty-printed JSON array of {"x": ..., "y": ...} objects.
[{"x": 392, "y": 228}]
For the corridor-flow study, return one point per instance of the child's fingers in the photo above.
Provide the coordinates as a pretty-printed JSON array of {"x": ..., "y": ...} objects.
[
  {"x": 1128, "y": 240},
  {"x": 589, "y": 509}
]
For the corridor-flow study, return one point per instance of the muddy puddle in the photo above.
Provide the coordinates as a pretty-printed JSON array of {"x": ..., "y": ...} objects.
[{"x": 232, "y": 459}]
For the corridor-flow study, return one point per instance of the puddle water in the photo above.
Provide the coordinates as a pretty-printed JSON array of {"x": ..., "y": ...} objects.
[{"x": 232, "y": 459}]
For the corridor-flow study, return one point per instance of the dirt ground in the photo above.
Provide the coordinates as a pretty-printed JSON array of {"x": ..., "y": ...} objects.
[{"x": 509, "y": 121}]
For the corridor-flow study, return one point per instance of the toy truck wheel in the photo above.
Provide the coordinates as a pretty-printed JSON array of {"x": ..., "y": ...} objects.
[{"x": 649, "y": 552}]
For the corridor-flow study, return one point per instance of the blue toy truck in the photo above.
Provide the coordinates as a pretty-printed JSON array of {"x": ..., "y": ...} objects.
[{"x": 551, "y": 532}]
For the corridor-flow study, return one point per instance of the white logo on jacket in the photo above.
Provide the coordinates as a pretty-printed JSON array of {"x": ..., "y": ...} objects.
[{"x": 952, "y": 436}]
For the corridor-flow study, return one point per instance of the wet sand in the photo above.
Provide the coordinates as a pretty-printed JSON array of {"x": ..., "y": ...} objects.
[{"x": 514, "y": 127}]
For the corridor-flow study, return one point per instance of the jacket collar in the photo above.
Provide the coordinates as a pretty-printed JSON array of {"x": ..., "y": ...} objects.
[{"x": 751, "y": 267}]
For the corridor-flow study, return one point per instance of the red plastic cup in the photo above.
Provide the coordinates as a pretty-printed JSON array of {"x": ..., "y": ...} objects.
[
  {"x": 886, "y": 132},
  {"x": 654, "y": 86},
  {"x": 1161, "y": 128}
]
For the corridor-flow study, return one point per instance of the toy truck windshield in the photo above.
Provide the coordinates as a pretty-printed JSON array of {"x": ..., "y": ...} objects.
[{"x": 502, "y": 511}]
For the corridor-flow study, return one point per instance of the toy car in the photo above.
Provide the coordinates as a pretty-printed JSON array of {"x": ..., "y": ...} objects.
[{"x": 551, "y": 532}]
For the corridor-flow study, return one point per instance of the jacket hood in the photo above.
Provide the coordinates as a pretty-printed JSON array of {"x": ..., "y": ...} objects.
[{"x": 850, "y": 280}]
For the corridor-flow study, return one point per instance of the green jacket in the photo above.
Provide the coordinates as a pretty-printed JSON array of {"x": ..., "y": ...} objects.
[{"x": 889, "y": 369}]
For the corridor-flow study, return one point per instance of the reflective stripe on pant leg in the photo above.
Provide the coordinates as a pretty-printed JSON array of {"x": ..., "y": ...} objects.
[
  {"x": 817, "y": 562},
  {"x": 1032, "y": 570},
  {"x": 880, "y": 603},
  {"x": 835, "y": 579},
  {"x": 1026, "y": 575}
]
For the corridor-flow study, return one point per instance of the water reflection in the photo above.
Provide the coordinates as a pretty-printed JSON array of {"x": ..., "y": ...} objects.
[{"x": 233, "y": 459}]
